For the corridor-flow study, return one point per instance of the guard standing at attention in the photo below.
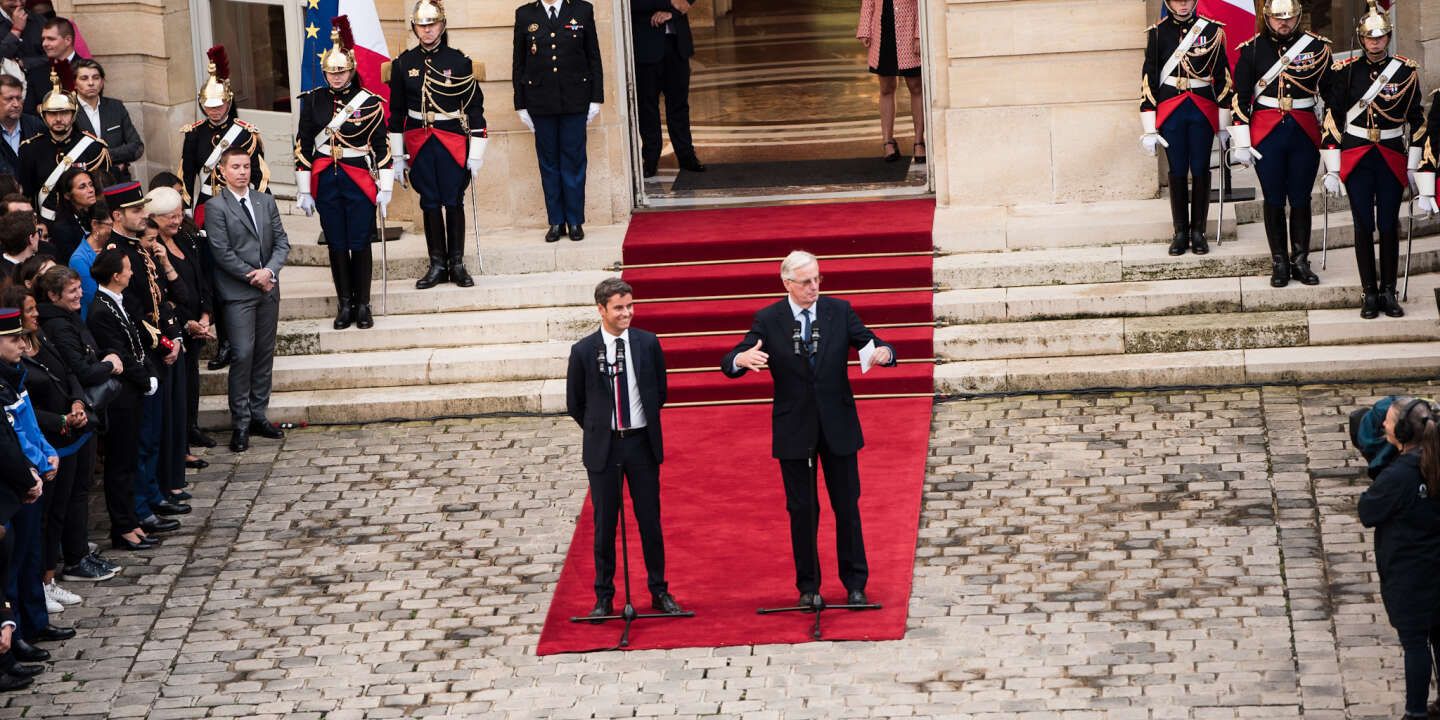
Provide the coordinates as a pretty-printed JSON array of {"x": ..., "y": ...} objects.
[
  {"x": 205, "y": 140},
  {"x": 1184, "y": 101},
  {"x": 1279, "y": 79},
  {"x": 343, "y": 169},
  {"x": 559, "y": 86},
  {"x": 45, "y": 157},
  {"x": 1372, "y": 98},
  {"x": 437, "y": 120}
]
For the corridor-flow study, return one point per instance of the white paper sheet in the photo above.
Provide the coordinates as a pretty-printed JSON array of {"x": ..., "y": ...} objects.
[{"x": 867, "y": 357}]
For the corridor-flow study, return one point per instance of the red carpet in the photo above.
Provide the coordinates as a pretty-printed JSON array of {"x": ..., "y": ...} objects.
[{"x": 726, "y": 530}]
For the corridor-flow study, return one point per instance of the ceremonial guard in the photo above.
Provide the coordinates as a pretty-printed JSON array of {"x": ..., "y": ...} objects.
[
  {"x": 207, "y": 139},
  {"x": 1279, "y": 78},
  {"x": 1371, "y": 99},
  {"x": 1184, "y": 97},
  {"x": 343, "y": 169},
  {"x": 437, "y": 120},
  {"x": 45, "y": 157},
  {"x": 559, "y": 86}
]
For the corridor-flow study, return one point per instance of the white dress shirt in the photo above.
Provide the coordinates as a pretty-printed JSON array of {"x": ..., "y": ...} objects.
[
  {"x": 94, "y": 114},
  {"x": 637, "y": 409},
  {"x": 245, "y": 203}
]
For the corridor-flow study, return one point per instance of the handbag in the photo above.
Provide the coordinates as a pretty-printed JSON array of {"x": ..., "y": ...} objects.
[{"x": 98, "y": 397}]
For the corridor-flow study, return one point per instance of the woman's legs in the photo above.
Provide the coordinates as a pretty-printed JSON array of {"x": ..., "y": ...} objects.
[
  {"x": 917, "y": 112},
  {"x": 887, "y": 108}
]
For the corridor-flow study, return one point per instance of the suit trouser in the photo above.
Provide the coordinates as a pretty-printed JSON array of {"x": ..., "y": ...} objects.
[
  {"x": 66, "y": 507},
  {"x": 560, "y": 148},
  {"x": 252, "y": 324},
  {"x": 147, "y": 467},
  {"x": 174, "y": 427},
  {"x": 122, "y": 444},
  {"x": 23, "y": 583},
  {"x": 669, "y": 77},
  {"x": 1287, "y": 168},
  {"x": 802, "y": 502},
  {"x": 636, "y": 460}
]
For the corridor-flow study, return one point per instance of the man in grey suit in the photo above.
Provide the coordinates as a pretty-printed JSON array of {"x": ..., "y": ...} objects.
[{"x": 249, "y": 246}]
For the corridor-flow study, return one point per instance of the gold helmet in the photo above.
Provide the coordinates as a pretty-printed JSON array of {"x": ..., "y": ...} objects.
[
  {"x": 1374, "y": 23},
  {"x": 341, "y": 55},
  {"x": 61, "y": 97},
  {"x": 427, "y": 12},
  {"x": 1282, "y": 9},
  {"x": 216, "y": 90}
]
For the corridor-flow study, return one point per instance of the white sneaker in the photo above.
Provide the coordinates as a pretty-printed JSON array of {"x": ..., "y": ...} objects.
[
  {"x": 52, "y": 606},
  {"x": 63, "y": 596}
]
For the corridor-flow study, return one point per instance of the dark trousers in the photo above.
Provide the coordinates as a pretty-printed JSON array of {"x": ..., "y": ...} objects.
[
  {"x": 802, "y": 502},
  {"x": 669, "y": 77},
  {"x": 436, "y": 177},
  {"x": 1288, "y": 165},
  {"x": 560, "y": 148},
  {"x": 24, "y": 586},
  {"x": 1190, "y": 136},
  {"x": 174, "y": 428},
  {"x": 253, "y": 323},
  {"x": 346, "y": 214},
  {"x": 1419, "y": 645},
  {"x": 66, "y": 501},
  {"x": 191, "y": 358},
  {"x": 1375, "y": 195},
  {"x": 122, "y": 457},
  {"x": 633, "y": 457},
  {"x": 152, "y": 432}
]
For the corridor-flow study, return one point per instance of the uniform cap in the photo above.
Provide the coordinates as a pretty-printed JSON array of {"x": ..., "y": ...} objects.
[
  {"x": 61, "y": 97},
  {"x": 1282, "y": 9},
  {"x": 125, "y": 195},
  {"x": 10, "y": 321},
  {"x": 341, "y": 55},
  {"x": 216, "y": 90}
]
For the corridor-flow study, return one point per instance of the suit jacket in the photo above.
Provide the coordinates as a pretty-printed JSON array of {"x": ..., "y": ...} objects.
[
  {"x": 649, "y": 41},
  {"x": 556, "y": 70},
  {"x": 30, "y": 126},
  {"x": 590, "y": 400},
  {"x": 809, "y": 402},
  {"x": 236, "y": 247},
  {"x": 117, "y": 131}
]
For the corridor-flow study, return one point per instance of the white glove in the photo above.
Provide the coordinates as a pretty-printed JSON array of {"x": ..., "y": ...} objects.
[
  {"x": 1224, "y": 128},
  {"x": 1427, "y": 205},
  {"x": 1241, "y": 156},
  {"x": 1150, "y": 143},
  {"x": 525, "y": 118},
  {"x": 397, "y": 153},
  {"x": 1331, "y": 157},
  {"x": 1333, "y": 186},
  {"x": 1425, "y": 192},
  {"x": 1413, "y": 165},
  {"x": 303, "y": 200},
  {"x": 477, "y": 154},
  {"x": 154, "y": 385},
  {"x": 384, "y": 189},
  {"x": 1151, "y": 139},
  {"x": 592, "y": 112}
]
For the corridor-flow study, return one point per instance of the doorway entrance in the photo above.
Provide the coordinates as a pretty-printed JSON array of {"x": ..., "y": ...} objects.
[{"x": 783, "y": 107}]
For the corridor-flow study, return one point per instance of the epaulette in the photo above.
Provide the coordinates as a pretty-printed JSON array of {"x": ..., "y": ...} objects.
[
  {"x": 1407, "y": 61},
  {"x": 246, "y": 125},
  {"x": 33, "y": 138},
  {"x": 191, "y": 126},
  {"x": 1340, "y": 64},
  {"x": 91, "y": 135},
  {"x": 1321, "y": 38},
  {"x": 1210, "y": 20},
  {"x": 1152, "y": 27},
  {"x": 1247, "y": 42}
]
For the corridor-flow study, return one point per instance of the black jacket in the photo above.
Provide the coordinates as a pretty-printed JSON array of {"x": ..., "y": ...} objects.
[
  {"x": 41, "y": 154},
  {"x": 199, "y": 139},
  {"x": 649, "y": 41},
  {"x": 557, "y": 68},
  {"x": 414, "y": 69},
  {"x": 53, "y": 390},
  {"x": 1206, "y": 60},
  {"x": 30, "y": 126},
  {"x": 1305, "y": 78},
  {"x": 1398, "y": 104},
  {"x": 809, "y": 403},
  {"x": 1407, "y": 543},
  {"x": 115, "y": 333},
  {"x": 75, "y": 345},
  {"x": 589, "y": 400},
  {"x": 116, "y": 130},
  {"x": 363, "y": 129}
]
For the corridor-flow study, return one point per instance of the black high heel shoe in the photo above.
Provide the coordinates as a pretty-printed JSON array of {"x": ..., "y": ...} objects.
[
  {"x": 919, "y": 159},
  {"x": 893, "y": 154},
  {"x": 120, "y": 542}
]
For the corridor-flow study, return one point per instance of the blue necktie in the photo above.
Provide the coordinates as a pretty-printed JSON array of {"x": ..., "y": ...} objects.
[{"x": 805, "y": 336}]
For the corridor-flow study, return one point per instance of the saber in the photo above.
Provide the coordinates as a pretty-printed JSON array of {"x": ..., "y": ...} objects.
[
  {"x": 1325, "y": 233},
  {"x": 384, "y": 265},
  {"x": 475, "y": 228},
  {"x": 1410, "y": 247},
  {"x": 1220, "y": 223}
]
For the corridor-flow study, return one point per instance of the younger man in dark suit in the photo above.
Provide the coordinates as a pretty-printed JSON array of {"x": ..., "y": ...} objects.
[{"x": 619, "y": 410}]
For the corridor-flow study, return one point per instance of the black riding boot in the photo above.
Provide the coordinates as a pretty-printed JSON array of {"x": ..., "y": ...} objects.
[
  {"x": 1179, "y": 215},
  {"x": 1200, "y": 213},
  {"x": 1389, "y": 272},
  {"x": 1365, "y": 263},
  {"x": 1279, "y": 254},
  {"x": 1300, "y": 221},
  {"x": 361, "y": 265},
  {"x": 434, "y": 220},
  {"x": 455, "y": 236},
  {"x": 344, "y": 294}
]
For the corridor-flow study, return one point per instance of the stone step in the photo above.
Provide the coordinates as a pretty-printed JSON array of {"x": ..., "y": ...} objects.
[
  {"x": 1320, "y": 363},
  {"x": 438, "y": 330},
  {"x": 307, "y": 293},
  {"x": 376, "y": 404}
]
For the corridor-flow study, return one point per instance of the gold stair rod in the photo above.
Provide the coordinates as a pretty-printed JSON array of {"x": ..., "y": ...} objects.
[
  {"x": 762, "y": 296},
  {"x": 715, "y": 403},
  {"x": 851, "y": 363},
  {"x": 712, "y": 333},
  {"x": 620, "y": 266}
]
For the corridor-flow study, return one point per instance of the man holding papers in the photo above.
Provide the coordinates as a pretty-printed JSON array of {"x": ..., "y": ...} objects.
[{"x": 804, "y": 342}]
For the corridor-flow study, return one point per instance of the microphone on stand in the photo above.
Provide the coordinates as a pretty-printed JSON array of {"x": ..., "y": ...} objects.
[
  {"x": 814, "y": 339},
  {"x": 600, "y": 361},
  {"x": 795, "y": 338},
  {"x": 619, "y": 368}
]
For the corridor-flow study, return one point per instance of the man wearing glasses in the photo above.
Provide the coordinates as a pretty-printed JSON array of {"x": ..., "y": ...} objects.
[{"x": 804, "y": 341}]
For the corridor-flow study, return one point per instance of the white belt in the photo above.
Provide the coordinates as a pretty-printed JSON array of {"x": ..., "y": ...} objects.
[
  {"x": 1185, "y": 83},
  {"x": 326, "y": 150},
  {"x": 1374, "y": 134},
  {"x": 1295, "y": 103},
  {"x": 434, "y": 115}
]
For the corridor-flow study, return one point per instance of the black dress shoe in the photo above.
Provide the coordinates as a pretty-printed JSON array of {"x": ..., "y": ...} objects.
[
  {"x": 169, "y": 507},
  {"x": 25, "y": 671},
  {"x": 665, "y": 603},
  {"x": 51, "y": 633},
  {"x": 650, "y": 171},
  {"x": 810, "y": 600},
  {"x": 856, "y": 597},
  {"x": 159, "y": 525},
  {"x": 198, "y": 438},
  {"x": 181, "y": 496},
  {"x": 25, "y": 652},
  {"x": 603, "y": 608},
  {"x": 577, "y": 232},
  {"x": 1390, "y": 304},
  {"x": 197, "y": 464},
  {"x": 554, "y": 233},
  {"x": 9, "y": 683},
  {"x": 239, "y": 440},
  {"x": 693, "y": 165},
  {"x": 266, "y": 429},
  {"x": 224, "y": 355}
]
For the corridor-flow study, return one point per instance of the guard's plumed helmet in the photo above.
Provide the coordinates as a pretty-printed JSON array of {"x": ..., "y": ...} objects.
[
  {"x": 61, "y": 97},
  {"x": 1282, "y": 9},
  {"x": 1373, "y": 23},
  {"x": 427, "y": 12},
  {"x": 216, "y": 90},
  {"x": 341, "y": 55}
]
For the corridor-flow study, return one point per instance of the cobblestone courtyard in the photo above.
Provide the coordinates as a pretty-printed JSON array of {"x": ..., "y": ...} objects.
[{"x": 1185, "y": 554}]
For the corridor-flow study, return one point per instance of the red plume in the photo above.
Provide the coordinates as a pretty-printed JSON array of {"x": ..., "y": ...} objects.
[
  {"x": 341, "y": 23},
  {"x": 222, "y": 61},
  {"x": 62, "y": 69}
]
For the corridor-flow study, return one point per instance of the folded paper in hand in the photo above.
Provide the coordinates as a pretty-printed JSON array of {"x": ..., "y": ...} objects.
[{"x": 867, "y": 357}]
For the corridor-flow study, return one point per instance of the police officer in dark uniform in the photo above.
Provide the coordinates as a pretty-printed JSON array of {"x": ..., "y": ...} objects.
[
  {"x": 45, "y": 157},
  {"x": 1279, "y": 79},
  {"x": 1185, "y": 92},
  {"x": 438, "y": 122},
  {"x": 343, "y": 169},
  {"x": 559, "y": 86}
]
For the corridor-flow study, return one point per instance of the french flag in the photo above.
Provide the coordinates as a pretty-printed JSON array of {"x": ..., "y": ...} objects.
[
  {"x": 370, "y": 49},
  {"x": 1239, "y": 19}
]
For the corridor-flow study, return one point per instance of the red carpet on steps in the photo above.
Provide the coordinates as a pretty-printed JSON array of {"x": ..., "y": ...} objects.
[{"x": 723, "y": 506}]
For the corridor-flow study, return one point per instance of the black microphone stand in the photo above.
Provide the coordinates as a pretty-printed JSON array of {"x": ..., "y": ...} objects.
[
  {"x": 628, "y": 614},
  {"x": 818, "y": 607}
]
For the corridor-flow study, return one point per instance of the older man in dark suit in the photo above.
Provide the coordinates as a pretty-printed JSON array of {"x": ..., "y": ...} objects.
[
  {"x": 15, "y": 125},
  {"x": 249, "y": 246}
]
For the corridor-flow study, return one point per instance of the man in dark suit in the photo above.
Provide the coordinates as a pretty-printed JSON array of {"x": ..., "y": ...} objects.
[
  {"x": 15, "y": 126},
  {"x": 20, "y": 40},
  {"x": 663, "y": 47},
  {"x": 249, "y": 246},
  {"x": 626, "y": 442},
  {"x": 106, "y": 118},
  {"x": 559, "y": 86},
  {"x": 803, "y": 341}
]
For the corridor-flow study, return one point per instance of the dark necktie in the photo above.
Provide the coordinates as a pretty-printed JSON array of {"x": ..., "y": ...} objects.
[
  {"x": 622, "y": 388},
  {"x": 805, "y": 336},
  {"x": 249, "y": 219},
  {"x": 554, "y": 13}
]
